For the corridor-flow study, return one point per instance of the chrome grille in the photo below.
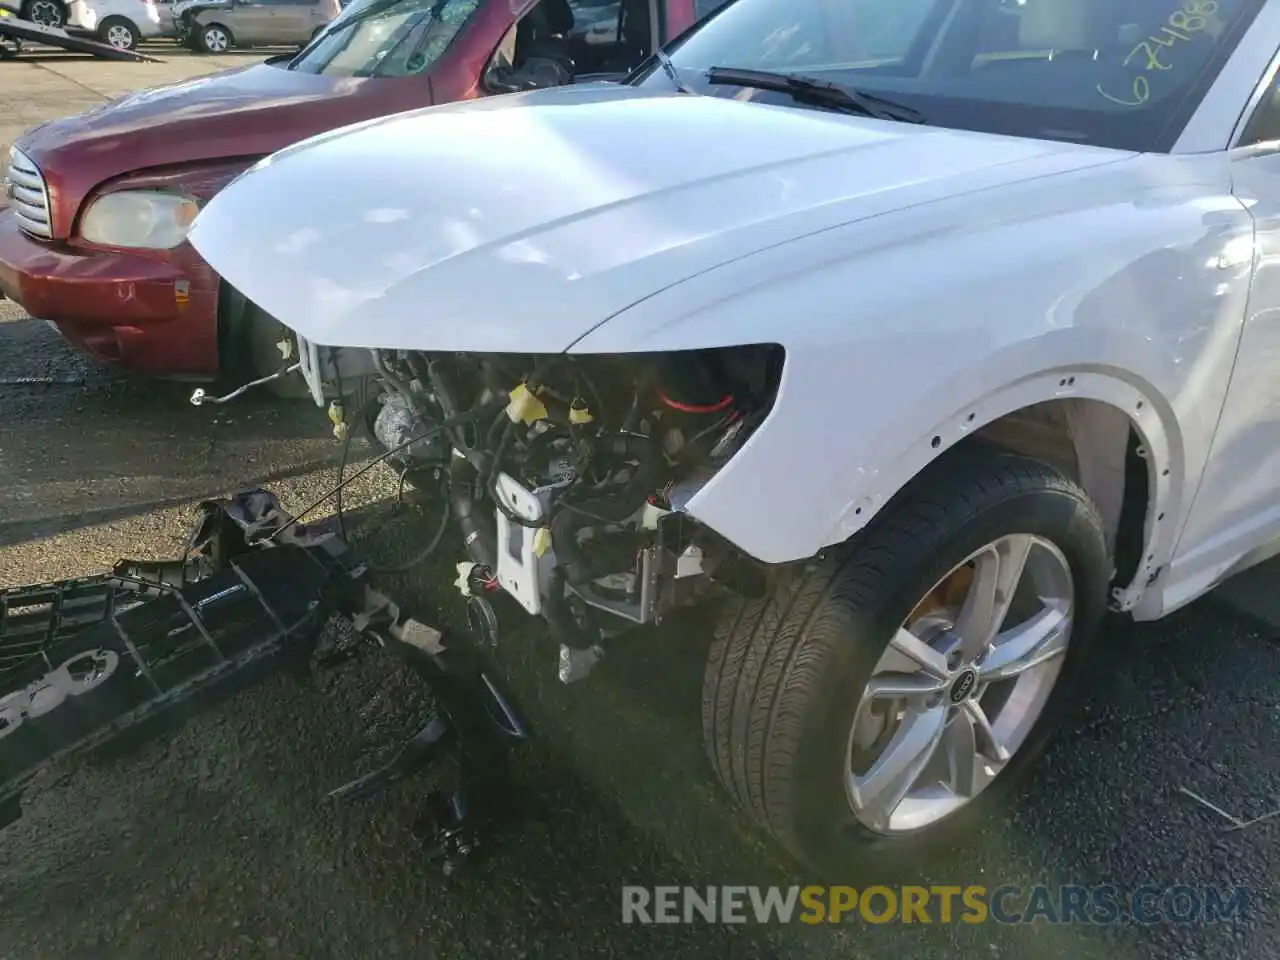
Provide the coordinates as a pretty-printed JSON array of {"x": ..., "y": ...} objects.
[{"x": 29, "y": 195}]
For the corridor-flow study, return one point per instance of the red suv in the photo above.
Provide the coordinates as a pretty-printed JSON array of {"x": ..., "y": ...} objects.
[{"x": 93, "y": 237}]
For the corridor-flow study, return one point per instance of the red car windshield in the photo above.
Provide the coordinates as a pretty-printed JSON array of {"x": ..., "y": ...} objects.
[
  {"x": 1117, "y": 73},
  {"x": 377, "y": 38}
]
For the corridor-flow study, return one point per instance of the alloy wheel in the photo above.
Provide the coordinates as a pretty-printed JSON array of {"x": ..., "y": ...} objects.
[
  {"x": 47, "y": 13},
  {"x": 960, "y": 686},
  {"x": 120, "y": 36}
]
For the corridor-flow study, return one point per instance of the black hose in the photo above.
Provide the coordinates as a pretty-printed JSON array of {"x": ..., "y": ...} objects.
[
  {"x": 555, "y": 610},
  {"x": 477, "y": 536}
]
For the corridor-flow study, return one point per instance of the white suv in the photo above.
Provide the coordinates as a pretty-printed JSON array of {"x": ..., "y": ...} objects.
[{"x": 121, "y": 23}]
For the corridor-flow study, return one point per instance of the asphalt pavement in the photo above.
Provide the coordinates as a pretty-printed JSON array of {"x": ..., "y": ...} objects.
[{"x": 215, "y": 842}]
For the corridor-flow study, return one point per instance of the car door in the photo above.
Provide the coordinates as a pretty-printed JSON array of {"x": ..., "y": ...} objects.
[
  {"x": 1237, "y": 507},
  {"x": 248, "y": 20},
  {"x": 293, "y": 21}
]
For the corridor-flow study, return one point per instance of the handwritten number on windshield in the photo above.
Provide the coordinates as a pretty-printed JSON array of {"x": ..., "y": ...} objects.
[{"x": 1181, "y": 27}]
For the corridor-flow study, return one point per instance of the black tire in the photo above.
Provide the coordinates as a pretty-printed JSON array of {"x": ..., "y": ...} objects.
[
  {"x": 115, "y": 31},
  {"x": 209, "y": 44},
  {"x": 781, "y": 686},
  {"x": 50, "y": 13}
]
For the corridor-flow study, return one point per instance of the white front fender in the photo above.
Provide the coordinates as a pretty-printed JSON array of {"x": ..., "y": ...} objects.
[{"x": 902, "y": 342}]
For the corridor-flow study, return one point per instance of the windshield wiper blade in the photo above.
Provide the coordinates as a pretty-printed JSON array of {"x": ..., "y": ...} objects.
[
  {"x": 819, "y": 92},
  {"x": 670, "y": 70},
  {"x": 420, "y": 47}
]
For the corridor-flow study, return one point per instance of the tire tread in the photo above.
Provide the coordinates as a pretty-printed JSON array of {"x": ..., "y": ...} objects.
[{"x": 765, "y": 661}]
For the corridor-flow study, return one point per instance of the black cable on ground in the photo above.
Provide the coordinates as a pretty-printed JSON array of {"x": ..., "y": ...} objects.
[
  {"x": 425, "y": 553},
  {"x": 471, "y": 416}
]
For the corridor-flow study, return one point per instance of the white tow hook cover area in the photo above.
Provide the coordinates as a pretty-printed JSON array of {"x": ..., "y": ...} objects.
[{"x": 525, "y": 558}]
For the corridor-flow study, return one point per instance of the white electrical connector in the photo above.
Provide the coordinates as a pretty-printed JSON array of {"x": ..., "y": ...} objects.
[{"x": 463, "y": 583}]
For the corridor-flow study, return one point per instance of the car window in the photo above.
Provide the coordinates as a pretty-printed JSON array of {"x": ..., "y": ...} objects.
[
  {"x": 376, "y": 38},
  {"x": 610, "y": 36},
  {"x": 593, "y": 19},
  {"x": 1264, "y": 125},
  {"x": 885, "y": 30},
  {"x": 1120, "y": 73}
]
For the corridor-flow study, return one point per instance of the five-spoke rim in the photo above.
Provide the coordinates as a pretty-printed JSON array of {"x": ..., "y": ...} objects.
[
  {"x": 120, "y": 36},
  {"x": 215, "y": 40},
  {"x": 960, "y": 686}
]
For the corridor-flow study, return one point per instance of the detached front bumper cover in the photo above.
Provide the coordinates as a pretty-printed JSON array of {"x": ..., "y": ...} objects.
[{"x": 128, "y": 654}]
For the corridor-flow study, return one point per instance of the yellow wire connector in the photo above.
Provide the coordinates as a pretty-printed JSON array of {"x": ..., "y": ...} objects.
[
  {"x": 542, "y": 541},
  {"x": 579, "y": 415},
  {"x": 338, "y": 417},
  {"x": 525, "y": 406}
]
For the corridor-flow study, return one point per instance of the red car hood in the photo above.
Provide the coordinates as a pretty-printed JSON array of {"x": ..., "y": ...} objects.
[{"x": 243, "y": 113}]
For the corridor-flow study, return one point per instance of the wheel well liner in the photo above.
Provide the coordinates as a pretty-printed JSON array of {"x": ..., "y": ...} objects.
[
  {"x": 1098, "y": 446},
  {"x": 1094, "y": 443}
]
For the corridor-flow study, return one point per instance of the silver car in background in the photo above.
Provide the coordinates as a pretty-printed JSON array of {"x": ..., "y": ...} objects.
[{"x": 216, "y": 26}]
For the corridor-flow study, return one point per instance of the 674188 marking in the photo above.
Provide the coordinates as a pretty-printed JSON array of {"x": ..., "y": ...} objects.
[{"x": 1181, "y": 26}]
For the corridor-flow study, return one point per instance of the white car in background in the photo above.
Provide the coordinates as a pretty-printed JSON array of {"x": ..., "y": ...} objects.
[
  {"x": 121, "y": 23},
  {"x": 917, "y": 333}
]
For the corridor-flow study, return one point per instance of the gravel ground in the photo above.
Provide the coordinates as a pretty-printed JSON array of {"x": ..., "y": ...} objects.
[{"x": 216, "y": 841}]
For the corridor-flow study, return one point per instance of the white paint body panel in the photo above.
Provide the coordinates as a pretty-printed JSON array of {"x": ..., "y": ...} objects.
[
  {"x": 89, "y": 14},
  {"x": 923, "y": 282},
  {"x": 546, "y": 213}
]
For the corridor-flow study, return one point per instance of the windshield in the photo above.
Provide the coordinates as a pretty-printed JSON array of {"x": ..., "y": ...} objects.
[
  {"x": 385, "y": 38},
  {"x": 1118, "y": 73}
]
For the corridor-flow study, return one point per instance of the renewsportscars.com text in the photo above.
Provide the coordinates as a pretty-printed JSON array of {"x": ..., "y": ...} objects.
[{"x": 974, "y": 904}]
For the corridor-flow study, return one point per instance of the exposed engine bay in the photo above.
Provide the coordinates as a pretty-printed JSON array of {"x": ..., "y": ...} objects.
[
  {"x": 564, "y": 480},
  {"x": 564, "y": 477}
]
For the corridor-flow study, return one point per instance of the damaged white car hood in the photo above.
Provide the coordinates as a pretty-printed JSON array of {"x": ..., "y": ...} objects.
[{"x": 520, "y": 223}]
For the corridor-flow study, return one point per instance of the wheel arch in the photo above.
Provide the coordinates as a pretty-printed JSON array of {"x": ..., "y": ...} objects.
[
  {"x": 211, "y": 23},
  {"x": 119, "y": 18},
  {"x": 1117, "y": 437}
]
